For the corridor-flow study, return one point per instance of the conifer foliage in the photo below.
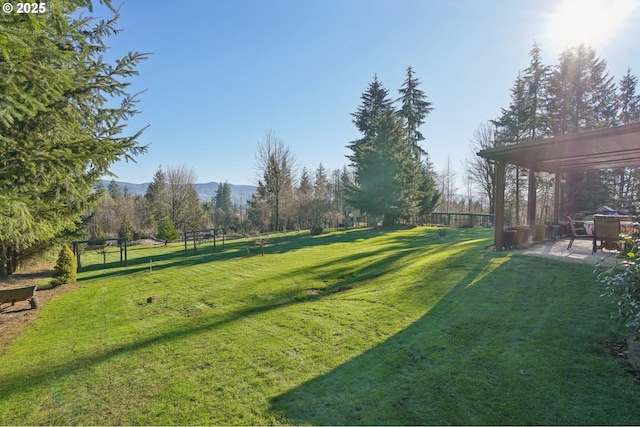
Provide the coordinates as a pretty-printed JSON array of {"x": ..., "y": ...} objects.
[
  {"x": 167, "y": 231},
  {"x": 66, "y": 267},
  {"x": 59, "y": 132},
  {"x": 392, "y": 181}
]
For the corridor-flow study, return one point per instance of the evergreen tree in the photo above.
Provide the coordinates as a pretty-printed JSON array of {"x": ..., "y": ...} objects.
[
  {"x": 157, "y": 196},
  {"x": 375, "y": 103},
  {"x": 512, "y": 124},
  {"x": 114, "y": 191},
  {"x": 346, "y": 180},
  {"x": 126, "y": 228},
  {"x": 390, "y": 179},
  {"x": 628, "y": 100},
  {"x": 167, "y": 231},
  {"x": 321, "y": 184},
  {"x": 384, "y": 172},
  {"x": 58, "y": 135},
  {"x": 414, "y": 108},
  {"x": 304, "y": 198},
  {"x": 259, "y": 208},
  {"x": 223, "y": 199},
  {"x": 535, "y": 79},
  {"x": 427, "y": 194},
  {"x": 65, "y": 270}
]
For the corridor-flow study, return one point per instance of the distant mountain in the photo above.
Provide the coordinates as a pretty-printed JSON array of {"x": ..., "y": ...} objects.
[{"x": 239, "y": 193}]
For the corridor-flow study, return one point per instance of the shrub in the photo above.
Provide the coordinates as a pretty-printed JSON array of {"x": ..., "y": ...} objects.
[
  {"x": 622, "y": 284},
  {"x": 66, "y": 267},
  {"x": 316, "y": 231},
  {"x": 167, "y": 231}
]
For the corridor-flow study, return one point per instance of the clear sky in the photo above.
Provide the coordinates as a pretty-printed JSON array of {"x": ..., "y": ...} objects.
[{"x": 223, "y": 72}]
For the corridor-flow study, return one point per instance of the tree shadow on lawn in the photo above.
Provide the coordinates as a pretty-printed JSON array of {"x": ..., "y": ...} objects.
[
  {"x": 175, "y": 256},
  {"x": 348, "y": 278},
  {"x": 525, "y": 350},
  {"x": 279, "y": 245}
]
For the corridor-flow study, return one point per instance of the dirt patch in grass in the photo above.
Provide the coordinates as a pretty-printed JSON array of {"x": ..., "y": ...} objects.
[{"x": 14, "y": 319}]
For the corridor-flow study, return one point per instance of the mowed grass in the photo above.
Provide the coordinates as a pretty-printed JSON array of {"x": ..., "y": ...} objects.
[{"x": 350, "y": 327}]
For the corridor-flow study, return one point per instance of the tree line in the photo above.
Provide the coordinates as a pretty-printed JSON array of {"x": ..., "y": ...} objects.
[
  {"x": 576, "y": 94},
  {"x": 171, "y": 206},
  {"x": 63, "y": 115}
]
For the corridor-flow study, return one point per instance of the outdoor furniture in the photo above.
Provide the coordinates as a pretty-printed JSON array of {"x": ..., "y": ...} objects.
[
  {"x": 627, "y": 226},
  {"x": 11, "y": 296},
  {"x": 577, "y": 232},
  {"x": 606, "y": 230}
]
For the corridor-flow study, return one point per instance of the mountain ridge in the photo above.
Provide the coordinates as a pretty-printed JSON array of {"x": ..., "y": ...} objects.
[{"x": 206, "y": 191}]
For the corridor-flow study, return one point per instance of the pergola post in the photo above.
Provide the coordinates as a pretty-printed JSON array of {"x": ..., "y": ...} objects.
[
  {"x": 498, "y": 226},
  {"x": 531, "y": 203},
  {"x": 556, "y": 196}
]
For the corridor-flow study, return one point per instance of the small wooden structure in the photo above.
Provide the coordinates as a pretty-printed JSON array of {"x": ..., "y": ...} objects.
[
  {"x": 122, "y": 244},
  {"x": 196, "y": 234}
]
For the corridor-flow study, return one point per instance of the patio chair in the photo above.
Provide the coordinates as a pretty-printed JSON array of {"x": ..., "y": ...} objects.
[
  {"x": 607, "y": 232},
  {"x": 576, "y": 232}
]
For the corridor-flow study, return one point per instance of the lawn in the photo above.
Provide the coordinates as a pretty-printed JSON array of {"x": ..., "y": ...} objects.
[{"x": 350, "y": 327}]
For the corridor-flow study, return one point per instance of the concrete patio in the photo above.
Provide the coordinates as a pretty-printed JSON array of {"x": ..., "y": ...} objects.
[{"x": 579, "y": 252}]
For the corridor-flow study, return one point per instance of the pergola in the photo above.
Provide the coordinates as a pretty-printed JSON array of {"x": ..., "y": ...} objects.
[{"x": 606, "y": 148}]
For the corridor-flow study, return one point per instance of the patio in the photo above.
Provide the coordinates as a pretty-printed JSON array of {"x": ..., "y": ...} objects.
[{"x": 579, "y": 252}]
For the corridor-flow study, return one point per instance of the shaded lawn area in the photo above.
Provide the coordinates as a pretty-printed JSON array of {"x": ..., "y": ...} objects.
[
  {"x": 357, "y": 327},
  {"x": 519, "y": 345}
]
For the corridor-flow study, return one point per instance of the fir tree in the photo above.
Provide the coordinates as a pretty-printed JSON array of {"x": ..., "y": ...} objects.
[
  {"x": 157, "y": 196},
  {"x": 59, "y": 135},
  {"x": 390, "y": 180},
  {"x": 126, "y": 230},
  {"x": 384, "y": 174},
  {"x": 414, "y": 108},
  {"x": 628, "y": 100},
  {"x": 167, "y": 231},
  {"x": 535, "y": 79},
  {"x": 114, "y": 191},
  {"x": 375, "y": 103},
  {"x": 223, "y": 199}
]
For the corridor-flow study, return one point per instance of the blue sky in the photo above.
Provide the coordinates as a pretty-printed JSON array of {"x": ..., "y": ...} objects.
[{"x": 222, "y": 73}]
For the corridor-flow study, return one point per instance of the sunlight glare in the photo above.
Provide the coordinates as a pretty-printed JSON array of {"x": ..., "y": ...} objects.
[{"x": 589, "y": 22}]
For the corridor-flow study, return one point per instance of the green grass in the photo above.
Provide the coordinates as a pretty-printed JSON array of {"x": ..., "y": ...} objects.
[{"x": 356, "y": 327}]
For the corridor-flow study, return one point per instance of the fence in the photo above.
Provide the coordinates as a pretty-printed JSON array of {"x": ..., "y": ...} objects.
[{"x": 459, "y": 219}]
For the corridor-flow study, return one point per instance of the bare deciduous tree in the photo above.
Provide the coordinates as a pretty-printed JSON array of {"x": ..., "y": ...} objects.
[
  {"x": 479, "y": 170},
  {"x": 275, "y": 165},
  {"x": 184, "y": 206}
]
